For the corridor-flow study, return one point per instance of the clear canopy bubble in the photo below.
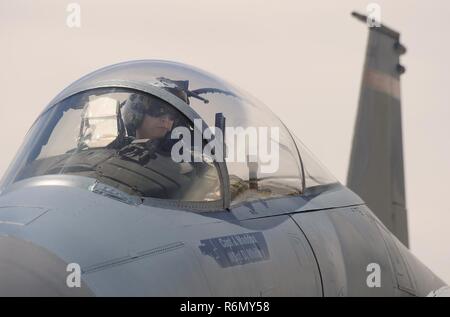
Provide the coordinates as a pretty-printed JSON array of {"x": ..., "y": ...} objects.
[{"x": 108, "y": 119}]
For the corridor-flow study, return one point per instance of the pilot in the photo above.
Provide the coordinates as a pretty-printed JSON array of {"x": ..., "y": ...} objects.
[
  {"x": 150, "y": 120},
  {"x": 149, "y": 117}
]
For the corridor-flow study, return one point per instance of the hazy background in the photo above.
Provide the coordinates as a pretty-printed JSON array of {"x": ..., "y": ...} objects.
[{"x": 303, "y": 59}]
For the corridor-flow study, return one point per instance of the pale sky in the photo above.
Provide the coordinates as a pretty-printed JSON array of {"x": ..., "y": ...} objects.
[{"x": 303, "y": 59}]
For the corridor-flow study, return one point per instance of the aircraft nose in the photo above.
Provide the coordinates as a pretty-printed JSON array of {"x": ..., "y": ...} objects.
[{"x": 29, "y": 270}]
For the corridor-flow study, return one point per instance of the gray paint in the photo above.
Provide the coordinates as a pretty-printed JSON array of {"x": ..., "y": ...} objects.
[
  {"x": 317, "y": 244},
  {"x": 29, "y": 270},
  {"x": 141, "y": 250},
  {"x": 376, "y": 171}
]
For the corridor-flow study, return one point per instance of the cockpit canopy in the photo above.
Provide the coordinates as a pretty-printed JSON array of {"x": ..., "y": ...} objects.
[{"x": 147, "y": 128}]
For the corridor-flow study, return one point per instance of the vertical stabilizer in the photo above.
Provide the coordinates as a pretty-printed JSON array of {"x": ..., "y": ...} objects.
[{"x": 376, "y": 170}]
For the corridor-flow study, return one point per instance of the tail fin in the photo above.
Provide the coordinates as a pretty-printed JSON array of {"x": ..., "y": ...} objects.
[{"x": 376, "y": 164}]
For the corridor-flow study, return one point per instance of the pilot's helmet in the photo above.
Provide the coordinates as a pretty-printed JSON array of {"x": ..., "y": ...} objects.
[{"x": 140, "y": 104}]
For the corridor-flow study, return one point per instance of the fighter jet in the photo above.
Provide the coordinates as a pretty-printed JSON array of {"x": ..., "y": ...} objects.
[{"x": 155, "y": 178}]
